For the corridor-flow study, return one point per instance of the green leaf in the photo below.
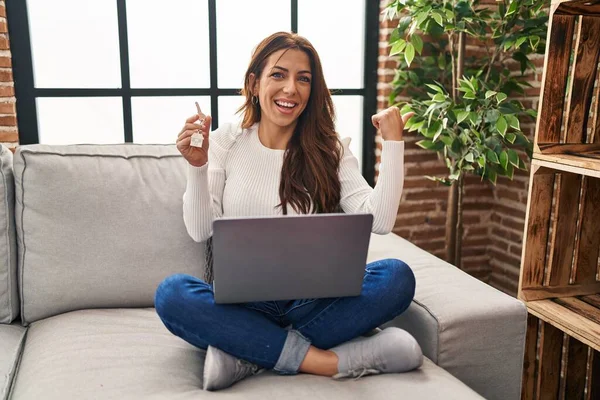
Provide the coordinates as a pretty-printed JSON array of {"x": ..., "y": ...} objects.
[
  {"x": 491, "y": 175},
  {"x": 469, "y": 95},
  {"x": 501, "y": 125},
  {"x": 398, "y": 47},
  {"x": 513, "y": 122},
  {"x": 513, "y": 157},
  {"x": 429, "y": 145},
  {"x": 522, "y": 165},
  {"x": 438, "y": 18},
  {"x": 514, "y": 5},
  {"x": 534, "y": 40},
  {"x": 447, "y": 140},
  {"x": 469, "y": 157},
  {"x": 462, "y": 116},
  {"x": 520, "y": 41},
  {"x": 439, "y": 98},
  {"x": 504, "y": 159},
  {"x": 490, "y": 93},
  {"x": 421, "y": 17},
  {"x": 417, "y": 43},
  {"x": 409, "y": 53},
  {"x": 481, "y": 161},
  {"x": 510, "y": 137},
  {"x": 501, "y": 97},
  {"x": 492, "y": 157},
  {"x": 510, "y": 171},
  {"x": 435, "y": 87}
]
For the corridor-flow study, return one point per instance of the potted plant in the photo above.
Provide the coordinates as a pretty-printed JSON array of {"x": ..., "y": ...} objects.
[{"x": 462, "y": 103}]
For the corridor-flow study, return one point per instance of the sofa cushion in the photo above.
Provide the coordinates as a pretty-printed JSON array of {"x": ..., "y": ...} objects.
[
  {"x": 12, "y": 338},
  {"x": 128, "y": 354},
  {"x": 99, "y": 225},
  {"x": 465, "y": 326},
  {"x": 9, "y": 298}
]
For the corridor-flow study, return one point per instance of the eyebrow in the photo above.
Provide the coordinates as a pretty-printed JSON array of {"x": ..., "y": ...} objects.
[{"x": 287, "y": 70}]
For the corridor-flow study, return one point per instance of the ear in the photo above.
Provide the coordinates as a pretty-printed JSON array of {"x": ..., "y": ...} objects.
[{"x": 253, "y": 84}]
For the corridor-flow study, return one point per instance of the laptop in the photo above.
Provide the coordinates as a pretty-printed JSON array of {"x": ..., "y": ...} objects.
[{"x": 289, "y": 257}]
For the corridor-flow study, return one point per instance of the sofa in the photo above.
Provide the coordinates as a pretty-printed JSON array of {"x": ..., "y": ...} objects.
[{"x": 88, "y": 233}]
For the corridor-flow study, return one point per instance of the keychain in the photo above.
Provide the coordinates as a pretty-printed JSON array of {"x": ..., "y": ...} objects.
[{"x": 197, "y": 138}]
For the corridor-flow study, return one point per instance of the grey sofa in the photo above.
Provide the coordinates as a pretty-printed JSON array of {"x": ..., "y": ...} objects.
[{"x": 90, "y": 230}]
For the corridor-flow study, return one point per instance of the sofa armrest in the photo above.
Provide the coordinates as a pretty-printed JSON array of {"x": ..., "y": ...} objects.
[{"x": 465, "y": 326}]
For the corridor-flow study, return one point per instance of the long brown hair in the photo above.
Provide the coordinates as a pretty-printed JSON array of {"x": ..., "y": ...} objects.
[{"x": 312, "y": 158}]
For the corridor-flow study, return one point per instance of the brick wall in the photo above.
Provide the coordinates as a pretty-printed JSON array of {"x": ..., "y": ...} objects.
[
  {"x": 493, "y": 216},
  {"x": 8, "y": 119}
]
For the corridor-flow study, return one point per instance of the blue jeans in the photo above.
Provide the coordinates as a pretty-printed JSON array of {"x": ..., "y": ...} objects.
[{"x": 277, "y": 334}]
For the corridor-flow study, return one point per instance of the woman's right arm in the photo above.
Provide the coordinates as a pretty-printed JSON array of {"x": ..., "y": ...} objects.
[{"x": 202, "y": 200}]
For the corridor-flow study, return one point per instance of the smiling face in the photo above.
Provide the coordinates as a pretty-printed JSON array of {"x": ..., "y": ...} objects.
[{"x": 284, "y": 87}]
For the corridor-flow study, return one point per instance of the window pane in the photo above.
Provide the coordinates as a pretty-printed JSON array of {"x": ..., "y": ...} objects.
[
  {"x": 349, "y": 121},
  {"x": 74, "y": 43},
  {"x": 343, "y": 57},
  {"x": 168, "y": 43},
  {"x": 160, "y": 119},
  {"x": 228, "y": 105},
  {"x": 80, "y": 120},
  {"x": 241, "y": 25}
]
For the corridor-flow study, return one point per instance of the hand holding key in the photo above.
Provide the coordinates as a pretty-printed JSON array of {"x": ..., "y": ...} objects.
[{"x": 192, "y": 141}]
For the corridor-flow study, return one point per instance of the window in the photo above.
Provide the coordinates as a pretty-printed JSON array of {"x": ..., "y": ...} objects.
[{"x": 89, "y": 71}]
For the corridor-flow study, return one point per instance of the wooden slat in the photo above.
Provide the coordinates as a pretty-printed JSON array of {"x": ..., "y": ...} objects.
[
  {"x": 529, "y": 366},
  {"x": 575, "y": 325},
  {"x": 537, "y": 222},
  {"x": 567, "y": 148},
  {"x": 594, "y": 300},
  {"x": 595, "y": 136},
  {"x": 588, "y": 237},
  {"x": 569, "y": 163},
  {"x": 584, "y": 7},
  {"x": 551, "y": 340},
  {"x": 564, "y": 228},
  {"x": 546, "y": 292},
  {"x": 555, "y": 81},
  {"x": 587, "y": 50},
  {"x": 580, "y": 308},
  {"x": 576, "y": 369}
]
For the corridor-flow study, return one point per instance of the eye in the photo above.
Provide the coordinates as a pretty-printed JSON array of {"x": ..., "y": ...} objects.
[
  {"x": 277, "y": 75},
  {"x": 305, "y": 79}
]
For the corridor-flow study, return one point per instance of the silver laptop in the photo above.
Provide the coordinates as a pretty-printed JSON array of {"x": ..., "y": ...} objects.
[{"x": 291, "y": 257}]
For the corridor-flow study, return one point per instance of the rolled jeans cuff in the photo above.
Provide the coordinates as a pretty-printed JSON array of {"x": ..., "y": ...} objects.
[{"x": 293, "y": 353}]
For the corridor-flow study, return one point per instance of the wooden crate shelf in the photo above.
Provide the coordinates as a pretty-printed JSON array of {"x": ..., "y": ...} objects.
[
  {"x": 579, "y": 316},
  {"x": 560, "y": 272},
  {"x": 577, "y": 164}
]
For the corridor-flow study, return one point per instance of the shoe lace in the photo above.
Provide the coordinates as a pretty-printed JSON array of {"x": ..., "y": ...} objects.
[
  {"x": 246, "y": 368},
  {"x": 356, "y": 373}
]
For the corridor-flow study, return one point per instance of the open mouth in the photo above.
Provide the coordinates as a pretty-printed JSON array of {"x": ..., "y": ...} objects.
[{"x": 285, "y": 107}]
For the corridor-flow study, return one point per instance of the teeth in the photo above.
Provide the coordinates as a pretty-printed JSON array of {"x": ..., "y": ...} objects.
[{"x": 283, "y": 104}]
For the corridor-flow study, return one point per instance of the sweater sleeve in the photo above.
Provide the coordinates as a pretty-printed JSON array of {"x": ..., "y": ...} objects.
[
  {"x": 383, "y": 200},
  {"x": 203, "y": 197}
]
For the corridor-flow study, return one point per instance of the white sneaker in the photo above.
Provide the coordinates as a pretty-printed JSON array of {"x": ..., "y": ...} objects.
[
  {"x": 222, "y": 370},
  {"x": 391, "y": 350}
]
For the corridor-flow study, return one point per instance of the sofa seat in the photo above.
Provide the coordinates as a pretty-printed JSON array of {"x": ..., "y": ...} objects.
[
  {"x": 12, "y": 338},
  {"x": 129, "y": 354}
]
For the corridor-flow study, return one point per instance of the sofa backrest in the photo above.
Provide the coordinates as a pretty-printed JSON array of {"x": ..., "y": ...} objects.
[
  {"x": 99, "y": 225},
  {"x": 9, "y": 298}
]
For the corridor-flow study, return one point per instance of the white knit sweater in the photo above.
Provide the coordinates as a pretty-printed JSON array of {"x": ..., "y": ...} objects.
[{"x": 242, "y": 178}]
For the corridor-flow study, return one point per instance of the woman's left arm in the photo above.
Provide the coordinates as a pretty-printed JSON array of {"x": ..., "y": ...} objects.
[{"x": 383, "y": 200}]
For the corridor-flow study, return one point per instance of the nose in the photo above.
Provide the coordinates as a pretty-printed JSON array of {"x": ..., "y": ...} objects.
[{"x": 290, "y": 87}]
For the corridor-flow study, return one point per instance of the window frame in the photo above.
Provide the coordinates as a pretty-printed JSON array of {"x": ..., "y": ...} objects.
[{"x": 26, "y": 93}]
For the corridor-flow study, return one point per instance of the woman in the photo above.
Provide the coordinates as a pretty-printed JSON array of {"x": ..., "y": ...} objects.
[{"x": 286, "y": 158}]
